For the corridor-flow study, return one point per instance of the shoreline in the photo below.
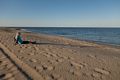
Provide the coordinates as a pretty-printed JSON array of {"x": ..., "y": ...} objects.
[
  {"x": 88, "y": 41},
  {"x": 73, "y": 38}
]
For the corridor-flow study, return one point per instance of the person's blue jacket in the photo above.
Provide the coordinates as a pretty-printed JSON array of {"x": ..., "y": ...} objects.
[{"x": 19, "y": 40}]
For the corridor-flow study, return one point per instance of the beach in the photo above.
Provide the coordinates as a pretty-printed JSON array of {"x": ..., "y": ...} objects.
[{"x": 56, "y": 58}]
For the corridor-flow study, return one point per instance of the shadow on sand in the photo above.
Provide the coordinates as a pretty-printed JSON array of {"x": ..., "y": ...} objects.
[{"x": 59, "y": 44}]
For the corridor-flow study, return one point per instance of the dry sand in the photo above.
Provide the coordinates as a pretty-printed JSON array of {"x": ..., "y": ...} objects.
[{"x": 57, "y": 58}]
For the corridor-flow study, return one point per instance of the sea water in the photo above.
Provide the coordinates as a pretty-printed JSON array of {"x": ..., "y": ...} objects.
[{"x": 101, "y": 35}]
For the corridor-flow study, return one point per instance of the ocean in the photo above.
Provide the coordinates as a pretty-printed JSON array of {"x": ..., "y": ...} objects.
[{"x": 99, "y": 35}]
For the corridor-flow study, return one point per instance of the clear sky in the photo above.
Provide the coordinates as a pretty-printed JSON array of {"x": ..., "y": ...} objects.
[{"x": 59, "y": 13}]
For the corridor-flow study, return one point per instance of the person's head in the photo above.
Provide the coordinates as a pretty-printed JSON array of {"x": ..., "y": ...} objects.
[{"x": 18, "y": 33}]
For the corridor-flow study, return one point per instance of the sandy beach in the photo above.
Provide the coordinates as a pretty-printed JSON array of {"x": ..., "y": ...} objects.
[{"x": 56, "y": 58}]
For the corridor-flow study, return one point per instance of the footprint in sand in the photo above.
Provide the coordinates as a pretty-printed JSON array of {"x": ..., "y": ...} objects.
[
  {"x": 101, "y": 71},
  {"x": 33, "y": 60},
  {"x": 77, "y": 73},
  {"x": 91, "y": 56},
  {"x": 13, "y": 69},
  {"x": 50, "y": 68},
  {"x": 46, "y": 55},
  {"x": 7, "y": 76},
  {"x": 4, "y": 63},
  {"x": 21, "y": 57},
  {"x": 1, "y": 62},
  {"x": 52, "y": 62},
  {"x": 95, "y": 75},
  {"x": 64, "y": 57},
  {"x": 45, "y": 67},
  {"x": 2, "y": 57},
  {"x": 70, "y": 58},
  {"x": 47, "y": 77},
  {"x": 15, "y": 72},
  {"x": 59, "y": 60},
  {"x": 38, "y": 68},
  {"x": 77, "y": 65},
  {"x": 9, "y": 66},
  {"x": 54, "y": 55},
  {"x": 1, "y": 75},
  {"x": 31, "y": 54},
  {"x": 20, "y": 51},
  {"x": 36, "y": 48},
  {"x": 58, "y": 55},
  {"x": 55, "y": 76},
  {"x": 12, "y": 78},
  {"x": 74, "y": 72}
]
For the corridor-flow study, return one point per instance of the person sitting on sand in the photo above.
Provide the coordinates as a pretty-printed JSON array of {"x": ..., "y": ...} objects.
[{"x": 18, "y": 39}]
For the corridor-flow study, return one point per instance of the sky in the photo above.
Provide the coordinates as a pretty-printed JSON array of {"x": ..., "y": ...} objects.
[{"x": 60, "y": 13}]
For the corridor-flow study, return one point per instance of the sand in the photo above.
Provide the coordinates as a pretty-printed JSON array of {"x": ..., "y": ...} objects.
[{"x": 57, "y": 58}]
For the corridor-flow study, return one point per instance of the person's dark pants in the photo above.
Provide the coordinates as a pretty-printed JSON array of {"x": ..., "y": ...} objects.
[{"x": 27, "y": 42}]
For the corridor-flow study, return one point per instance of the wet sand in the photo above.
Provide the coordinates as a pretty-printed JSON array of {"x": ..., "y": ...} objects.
[{"x": 59, "y": 58}]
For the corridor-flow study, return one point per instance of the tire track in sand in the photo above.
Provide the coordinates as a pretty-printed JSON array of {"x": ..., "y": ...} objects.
[{"x": 25, "y": 70}]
